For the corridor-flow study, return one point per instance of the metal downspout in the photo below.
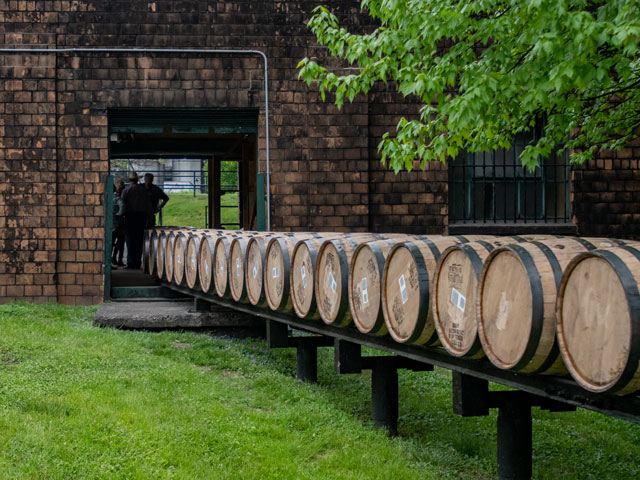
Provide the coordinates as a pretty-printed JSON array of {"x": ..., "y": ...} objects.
[{"x": 177, "y": 50}]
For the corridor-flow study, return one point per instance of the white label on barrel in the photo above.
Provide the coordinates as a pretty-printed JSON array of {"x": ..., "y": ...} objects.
[
  {"x": 365, "y": 295},
  {"x": 237, "y": 267},
  {"x": 458, "y": 300},
  {"x": 303, "y": 272},
  {"x": 606, "y": 244},
  {"x": 193, "y": 262},
  {"x": 255, "y": 270},
  {"x": 179, "y": 259},
  {"x": 221, "y": 267},
  {"x": 332, "y": 282},
  {"x": 275, "y": 273},
  {"x": 403, "y": 289},
  {"x": 206, "y": 267}
]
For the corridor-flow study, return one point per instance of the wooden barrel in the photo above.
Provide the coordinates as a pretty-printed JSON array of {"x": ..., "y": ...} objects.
[
  {"x": 206, "y": 262},
  {"x": 168, "y": 255},
  {"x": 277, "y": 269},
  {"x": 455, "y": 283},
  {"x": 598, "y": 320},
  {"x": 254, "y": 268},
  {"x": 160, "y": 253},
  {"x": 221, "y": 257},
  {"x": 221, "y": 266},
  {"x": 365, "y": 284},
  {"x": 516, "y": 300},
  {"x": 153, "y": 251},
  {"x": 169, "y": 252},
  {"x": 146, "y": 250},
  {"x": 331, "y": 280},
  {"x": 192, "y": 256},
  {"x": 179, "y": 257},
  {"x": 303, "y": 261},
  {"x": 237, "y": 256},
  {"x": 405, "y": 287}
]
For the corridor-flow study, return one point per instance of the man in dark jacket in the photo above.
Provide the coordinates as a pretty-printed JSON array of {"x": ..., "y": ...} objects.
[
  {"x": 158, "y": 199},
  {"x": 137, "y": 207}
]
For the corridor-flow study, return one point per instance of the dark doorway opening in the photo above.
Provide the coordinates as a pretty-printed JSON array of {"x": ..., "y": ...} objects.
[{"x": 204, "y": 160}]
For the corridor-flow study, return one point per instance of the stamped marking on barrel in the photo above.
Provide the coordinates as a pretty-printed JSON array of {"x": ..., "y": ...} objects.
[
  {"x": 398, "y": 311},
  {"x": 357, "y": 303},
  {"x": 503, "y": 312},
  {"x": 413, "y": 276},
  {"x": 372, "y": 269},
  {"x": 456, "y": 335},
  {"x": 365, "y": 294},
  {"x": 454, "y": 274},
  {"x": 403, "y": 289}
]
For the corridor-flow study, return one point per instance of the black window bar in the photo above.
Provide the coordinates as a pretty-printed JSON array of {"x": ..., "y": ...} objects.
[{"x": 490, "y": 187}]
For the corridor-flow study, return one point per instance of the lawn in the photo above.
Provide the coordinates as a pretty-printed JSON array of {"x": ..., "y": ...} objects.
[
  {"x": 186, "y": 210},
  {"x": 77, "y": 401}
]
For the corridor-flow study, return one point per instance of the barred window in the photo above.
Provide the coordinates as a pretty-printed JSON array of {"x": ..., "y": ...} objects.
[{"x": 494, "y": 187}]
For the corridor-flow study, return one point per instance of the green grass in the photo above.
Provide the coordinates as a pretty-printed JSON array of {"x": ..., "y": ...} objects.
[
  {"x": 77, "y": 401},
  {"x": 185, "y": 210}
]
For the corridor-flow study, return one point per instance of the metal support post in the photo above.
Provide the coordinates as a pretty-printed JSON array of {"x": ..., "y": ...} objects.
[
  {"x": 384, "y": 380},
  {"x": 472, "y": 398},
  {"x": 306, "y": 348},
  {"x": 514, "y": 442},
  {"x": 384, "y": 397},
  {"x": 200, "y": 305},
  {"x": 307, "y": 353}
]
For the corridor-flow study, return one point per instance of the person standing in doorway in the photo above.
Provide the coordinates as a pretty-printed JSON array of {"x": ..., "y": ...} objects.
[
  {"x": 157, "y": 197},
  {"x": 118, "y": 226},
  {"x": 137, "y": 208}
]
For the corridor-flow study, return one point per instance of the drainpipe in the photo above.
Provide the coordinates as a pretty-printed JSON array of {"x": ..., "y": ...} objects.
[{"x": 177, "y": 50}]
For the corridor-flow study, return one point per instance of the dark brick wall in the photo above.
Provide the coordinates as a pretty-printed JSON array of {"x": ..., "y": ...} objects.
[{"x": 606, "y": 194}]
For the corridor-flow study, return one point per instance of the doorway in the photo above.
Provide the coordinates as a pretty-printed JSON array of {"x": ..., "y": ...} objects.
[{"x": 204, "y": 160}]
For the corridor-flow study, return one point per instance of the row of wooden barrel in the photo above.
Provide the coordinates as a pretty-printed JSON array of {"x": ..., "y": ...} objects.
[{"x": 534, "y": 304}]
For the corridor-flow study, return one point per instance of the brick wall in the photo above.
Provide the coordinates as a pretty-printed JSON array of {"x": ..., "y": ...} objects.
[
  {"x": 27, "y": 176},
  {"x": 606, "y": 194}
]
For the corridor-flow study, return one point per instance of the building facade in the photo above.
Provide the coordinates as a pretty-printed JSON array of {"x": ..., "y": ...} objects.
[{"x": 65, "y": 114}]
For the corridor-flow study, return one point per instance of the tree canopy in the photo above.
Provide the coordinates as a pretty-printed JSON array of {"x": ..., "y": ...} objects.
[{"x": 486, "y": 70}]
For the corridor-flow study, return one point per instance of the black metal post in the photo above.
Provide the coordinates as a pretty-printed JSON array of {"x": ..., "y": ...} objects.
[
  {"x": 307, "y": 353},
  {"x": 384, "y": 397},
  {"x": 470, "y": 395},
  {"x": 514, "y": 441},
  {"x": 277, "y": 334},
  {"x": 200, "y": 305}
]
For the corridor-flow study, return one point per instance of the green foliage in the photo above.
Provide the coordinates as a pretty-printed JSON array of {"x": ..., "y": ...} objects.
[{"x": 489, "y": 69}]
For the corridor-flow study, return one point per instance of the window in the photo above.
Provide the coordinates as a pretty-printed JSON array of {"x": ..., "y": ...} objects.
[{"x": 493, "y": 187}]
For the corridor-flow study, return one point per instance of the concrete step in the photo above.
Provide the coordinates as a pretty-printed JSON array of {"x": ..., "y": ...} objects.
[{"x": 163, "y": 314}]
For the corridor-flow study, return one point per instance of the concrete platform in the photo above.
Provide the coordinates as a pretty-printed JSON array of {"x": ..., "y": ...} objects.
[{"x": 161, "y": 314}]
